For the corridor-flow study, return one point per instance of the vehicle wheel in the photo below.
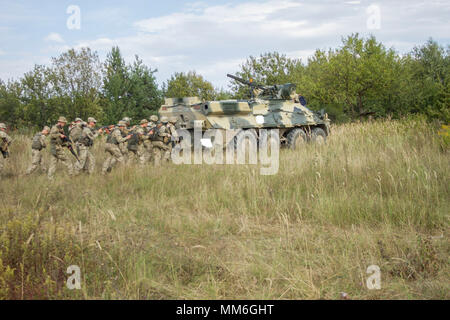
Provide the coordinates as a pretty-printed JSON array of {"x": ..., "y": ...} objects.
[
  {"x": 265, "y": 139},
  {"x": 296, "y": 138},
  {"x": 318, "y": 136}
]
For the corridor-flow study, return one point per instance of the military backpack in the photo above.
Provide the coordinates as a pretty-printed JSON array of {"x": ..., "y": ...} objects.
[
  {"x": 111, "y": 139},
  {"x": 36, "y": 143},
  {"x": 133, "y": 142},
  {"x": 75, "y": 133}
]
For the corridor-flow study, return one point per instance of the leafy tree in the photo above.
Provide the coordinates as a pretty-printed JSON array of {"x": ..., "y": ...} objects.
[
  {"x": 359, "y": 76},
  {"x": 11, "y": 110},
  {"x": 143, "y": 92},
  {"x": 429, "y": 85},
  {"x": 39, "y": 97},
  {"x": 116, "y": 87},
  {"x": 268, "y": 69},
  {"x": 76, "y": 79},
  {"x": 189, "y": 85}
]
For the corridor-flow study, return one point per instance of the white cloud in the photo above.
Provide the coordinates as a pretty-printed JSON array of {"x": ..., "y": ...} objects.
[
  {"x": 214, "y": 39},
  {"x": 54, "y": 37}
]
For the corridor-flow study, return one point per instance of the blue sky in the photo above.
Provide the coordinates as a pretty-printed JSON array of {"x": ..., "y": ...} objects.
[{"x": 211, "y": 37}]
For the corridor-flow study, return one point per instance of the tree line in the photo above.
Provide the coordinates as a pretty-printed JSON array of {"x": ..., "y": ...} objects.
[{"x": 359, "y": 78}]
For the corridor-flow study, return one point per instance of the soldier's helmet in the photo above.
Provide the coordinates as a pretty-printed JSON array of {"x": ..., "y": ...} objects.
[
  {"x": 121, "y": 123},
  {"x": 144, "y": 121},
  {"x": 2, "y": 126},
  {"x": 173, "y": 120},
  {"x": 62, "y": 119},
  {"x": 154, "y": 118},
  {"x": 46, "y": 128},
  {"x": 78, "y": 120},
  {"x": 164, "y": 119},
  {"x": 90, "y": 119},
  {"x": 126, "y": 120}
]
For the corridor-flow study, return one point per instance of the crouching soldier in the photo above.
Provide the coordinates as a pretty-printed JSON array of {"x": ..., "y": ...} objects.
[
  {"x": 58, "y": 141},
  {"x": 5, "y": 141},
  {"x": 85, "y": 144},
  {"x": 112, "y": 149},
  {"x": 37, "y": 145}
]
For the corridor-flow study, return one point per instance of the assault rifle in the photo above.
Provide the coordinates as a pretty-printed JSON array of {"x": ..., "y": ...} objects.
[
  {"x": 69, "y": 145},
  {"x": 106, "y": 129}
]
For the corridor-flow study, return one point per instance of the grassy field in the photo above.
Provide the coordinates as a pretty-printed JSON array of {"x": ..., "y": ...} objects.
[{"x": 377, "y": 193}]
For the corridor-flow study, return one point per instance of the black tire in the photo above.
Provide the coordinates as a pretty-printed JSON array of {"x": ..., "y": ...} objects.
[
  {"x": 295, "y": 138},
  {"x": 318, "y": 136}
]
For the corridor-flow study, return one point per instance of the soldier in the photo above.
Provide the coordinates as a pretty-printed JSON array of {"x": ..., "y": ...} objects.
[
  {"x": 58, "y": 141},
  {"x": 127, "y": 121},
  {"x": 75, "y": 133},
  {"x": 126, "y": 130},
  {"x": 136, "y": 146},
  {"x": 172, "y": 128},
  {"x": 38, "y": 144},
  {"x": 148, "y": 143},
  {"x": 153, "y": 121},
  {"x": 114, "y": 154},
  {"x": 85, "y": 143},
  {"x": 173, "y": 137},
  {"x": 75, "y": 129},
  {"x": 5, "y": 141},
  {"x": 144, "y": 139},
  {"x": 132, "y": 145},
  {"x": 161, "y": 141}
]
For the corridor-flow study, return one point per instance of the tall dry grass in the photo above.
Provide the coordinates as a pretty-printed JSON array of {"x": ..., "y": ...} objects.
[{"x": 377, "y": 193}]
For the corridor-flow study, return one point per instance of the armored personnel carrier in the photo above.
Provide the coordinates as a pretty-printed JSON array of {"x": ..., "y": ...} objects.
[{"x": 269, "y": 107}]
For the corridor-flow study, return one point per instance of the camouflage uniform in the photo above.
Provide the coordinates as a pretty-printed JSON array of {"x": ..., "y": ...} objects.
[
  {"x": 57, "y": 150},
  {"x": 140, "y": 149},
  {"x": 161, "y": 143},
  {"x": 124, "y": 145},
  {"x": 133, "y": 145},
  {"x": 5, "y": 141},
  {"x": 173, "y": 137},
  {"x": 38, "y": 145},
  {"x": 114, "y": 154},
  {"x": 75, "y": 133},
  {"x": 85, "y": 143},
  {"x": 148, "y": 143}
]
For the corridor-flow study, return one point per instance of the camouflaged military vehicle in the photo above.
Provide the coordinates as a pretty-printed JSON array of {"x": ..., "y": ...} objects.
[{"x": 270, "y": 107}]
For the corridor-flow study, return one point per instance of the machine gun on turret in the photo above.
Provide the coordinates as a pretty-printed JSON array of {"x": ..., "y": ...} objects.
[
  {"x": 277, "y": 92},
  {"x": 249, "y": 83}
]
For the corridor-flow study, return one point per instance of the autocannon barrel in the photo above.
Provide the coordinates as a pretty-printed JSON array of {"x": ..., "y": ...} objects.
[{"x": 239, "y": 79}]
